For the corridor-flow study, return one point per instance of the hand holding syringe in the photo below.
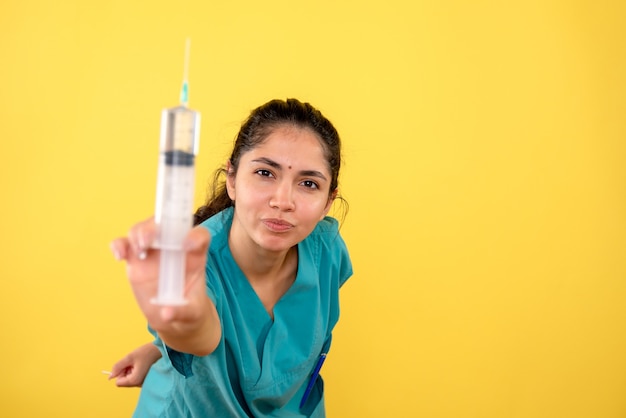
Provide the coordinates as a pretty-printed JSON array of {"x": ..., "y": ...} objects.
[{"x": 180, "y": 128}]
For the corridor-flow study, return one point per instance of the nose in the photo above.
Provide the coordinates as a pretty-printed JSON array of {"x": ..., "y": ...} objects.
[{"x": 282, "y": 198}]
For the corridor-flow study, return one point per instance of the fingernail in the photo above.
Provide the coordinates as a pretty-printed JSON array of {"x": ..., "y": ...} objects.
[
  {"x": 142, "y": 242},
  {"x": 115, "y": 252},
  {"x": 142, "y": 254}
]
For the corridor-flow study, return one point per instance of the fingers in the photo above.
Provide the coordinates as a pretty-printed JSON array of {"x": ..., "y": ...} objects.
[
  {"x": 141, "y": 237},
  {"x": 196, "y": 245},
  {"x": 120, "y": 367},
  {"x": 119, "y": 248},
  {"x": 125, "y": 372},
  {"x": 120, "y": 373},
  {"x": 129, "y": 379}
]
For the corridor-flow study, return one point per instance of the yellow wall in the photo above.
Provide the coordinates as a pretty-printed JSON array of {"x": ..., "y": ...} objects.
[{"x": 485, "y": 149}]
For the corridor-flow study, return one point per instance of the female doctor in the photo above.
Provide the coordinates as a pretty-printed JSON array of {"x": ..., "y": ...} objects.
[{"x": 264, "y": 268}]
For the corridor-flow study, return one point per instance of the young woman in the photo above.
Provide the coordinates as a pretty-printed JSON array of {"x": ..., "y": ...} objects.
[{"x": 264, "y": 268}]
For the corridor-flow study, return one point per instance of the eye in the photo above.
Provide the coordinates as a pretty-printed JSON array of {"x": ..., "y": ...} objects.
[
  {"x": 264, "y": 173},
  {"x": 310, "y": 184}
]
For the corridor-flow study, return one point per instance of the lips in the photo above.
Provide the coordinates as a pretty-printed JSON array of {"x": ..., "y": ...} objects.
[{"x": 277, "y": 225}]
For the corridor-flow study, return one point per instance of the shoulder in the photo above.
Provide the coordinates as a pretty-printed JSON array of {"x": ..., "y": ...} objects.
[
  {"x": 219, "y": 224},
  {"x": 326, "y": 234},
  {"x": 326, "y": 225},
  {"x": 328, "y": 249}
]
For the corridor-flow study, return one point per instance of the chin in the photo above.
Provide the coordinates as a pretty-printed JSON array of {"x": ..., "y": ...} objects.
[{"x": 276, "y": 244}]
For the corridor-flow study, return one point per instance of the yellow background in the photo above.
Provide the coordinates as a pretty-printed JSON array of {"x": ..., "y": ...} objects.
[{"x": 484, "y": 167}]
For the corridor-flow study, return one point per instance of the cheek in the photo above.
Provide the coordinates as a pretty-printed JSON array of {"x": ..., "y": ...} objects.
[
  {"x": 315, "y": 210},
  {"x": 251, "y": 194}
]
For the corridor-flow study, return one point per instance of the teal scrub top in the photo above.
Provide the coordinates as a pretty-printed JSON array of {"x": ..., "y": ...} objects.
[{"x": 261, "y": 366}]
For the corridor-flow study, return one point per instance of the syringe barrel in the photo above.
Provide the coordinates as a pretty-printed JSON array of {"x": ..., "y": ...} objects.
[{"x": 180, "y": 129}]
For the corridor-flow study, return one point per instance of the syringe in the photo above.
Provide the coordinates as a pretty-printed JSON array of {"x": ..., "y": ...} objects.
[{"x": 180, "y": 129}]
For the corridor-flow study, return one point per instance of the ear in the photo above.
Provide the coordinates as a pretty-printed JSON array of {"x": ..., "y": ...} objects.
[
  {"x": 331, "y": 199},
  {"x": 230, "y": 180}
]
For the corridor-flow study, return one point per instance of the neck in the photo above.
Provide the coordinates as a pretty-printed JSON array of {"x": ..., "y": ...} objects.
[
  {"x": 270, "y": 274},
  {"x": 260, "y": 265}
]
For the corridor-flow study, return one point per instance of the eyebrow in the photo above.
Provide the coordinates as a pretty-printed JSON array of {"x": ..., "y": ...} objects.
[{"x": 277, "y": 166}]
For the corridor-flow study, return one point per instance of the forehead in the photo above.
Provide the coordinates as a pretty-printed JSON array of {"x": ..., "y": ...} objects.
[{"x": 293, "y": 145}]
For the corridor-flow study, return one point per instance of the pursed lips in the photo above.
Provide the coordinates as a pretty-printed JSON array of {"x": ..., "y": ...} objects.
[{"x": 277, "y": 225}]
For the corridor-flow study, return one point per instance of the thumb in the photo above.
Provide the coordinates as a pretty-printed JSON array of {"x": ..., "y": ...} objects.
[
  {"x": 168, "y": 313},
  {"x": 197, "y": 239}
]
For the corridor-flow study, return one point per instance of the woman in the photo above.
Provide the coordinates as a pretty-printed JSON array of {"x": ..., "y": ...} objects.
[{"x": 264, "y": 268}]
